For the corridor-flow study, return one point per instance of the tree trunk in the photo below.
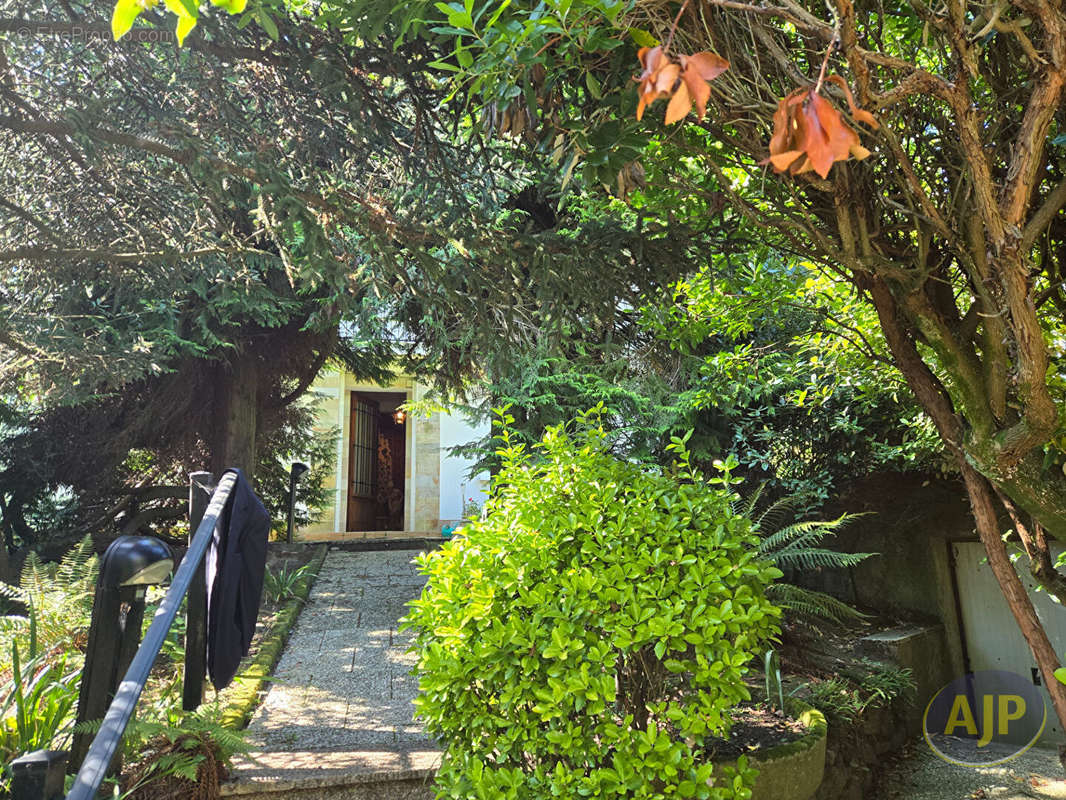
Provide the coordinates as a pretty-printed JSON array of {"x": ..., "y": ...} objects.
[
  {"x": 984, "y": 512},
  {"x": 236, "y": 416},
  {"x": 936, "y": 402}
]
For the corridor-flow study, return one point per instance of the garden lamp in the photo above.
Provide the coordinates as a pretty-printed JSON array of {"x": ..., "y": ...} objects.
[
  {"x": 128, "y": 566},
  {"x": 296, "y": 471}
]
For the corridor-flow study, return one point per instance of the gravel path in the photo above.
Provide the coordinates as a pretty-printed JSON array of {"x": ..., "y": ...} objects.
[
  {"x": 341, "y": 696},
  {"x": 921, "y": 775}
]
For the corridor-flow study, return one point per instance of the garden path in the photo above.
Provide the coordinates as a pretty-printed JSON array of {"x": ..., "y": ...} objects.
[
  {"x": 921, "y": 775},
  {"x": 341, "y": 700}
]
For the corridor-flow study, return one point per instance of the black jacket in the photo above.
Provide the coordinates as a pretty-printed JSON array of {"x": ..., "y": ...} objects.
[{"x": 235, "y": 565}]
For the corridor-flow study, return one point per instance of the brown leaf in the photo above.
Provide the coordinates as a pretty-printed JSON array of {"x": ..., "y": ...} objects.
[
  {"x": 707, "y": 65},
  {"x": 698, "y": 88},
  {"x": 829, "y": 138},
  {"x": 680, "y": 105},
  {"x": 859, "y": 114},
  {"x": 810, "y": 134},
  {"x": 683, "y": 80},
  {"x": 649, "y": 58},
  {"x": 784, "y": 128},
  {"x": 667, "y": 77},
  {"x": 782, "y": 161}
]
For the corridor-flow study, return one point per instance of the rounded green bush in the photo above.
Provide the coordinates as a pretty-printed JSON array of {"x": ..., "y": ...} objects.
[{"x": 586, "y": 635}]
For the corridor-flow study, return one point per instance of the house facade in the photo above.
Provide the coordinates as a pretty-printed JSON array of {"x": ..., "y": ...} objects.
[{"x": 393, "y": 475}]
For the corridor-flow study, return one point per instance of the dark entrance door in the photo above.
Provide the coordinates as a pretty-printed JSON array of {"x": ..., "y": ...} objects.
[{"x": 362, "y": 464}]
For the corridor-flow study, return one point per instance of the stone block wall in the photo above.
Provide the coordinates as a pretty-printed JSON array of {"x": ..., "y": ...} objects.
[{"x": 426, "y": 512}]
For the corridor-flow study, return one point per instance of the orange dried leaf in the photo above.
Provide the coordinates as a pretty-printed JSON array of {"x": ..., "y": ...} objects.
[
  {"x": 683, "y": 80},
  {"x": 829, "y": 138},
  {"x": 698, "y": 88},
  {"x": 680, "y": 105},
  {"x": 666, "y": 78},
  {"x": 783, "y": 161},
  {"x": 649, "y": 57},
  {"x": 707, "y": 65},
  {"x": 859, "y": 114},
  {"x": 807, "y": 125}
]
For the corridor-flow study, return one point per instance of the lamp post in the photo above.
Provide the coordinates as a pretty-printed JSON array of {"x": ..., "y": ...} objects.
[{"x": 297, "y": 469}]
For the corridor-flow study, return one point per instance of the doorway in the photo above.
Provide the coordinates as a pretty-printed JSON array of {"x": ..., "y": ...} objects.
[
  {"x": 993, "y": 641},
  {"x": 377, "y": 468}
]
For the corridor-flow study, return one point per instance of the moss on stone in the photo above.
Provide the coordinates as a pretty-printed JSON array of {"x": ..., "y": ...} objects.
[{"x": 243, "y": 695}]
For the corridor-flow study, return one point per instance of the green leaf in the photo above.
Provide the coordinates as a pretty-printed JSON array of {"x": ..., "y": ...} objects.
[
  {"x": 498, "y": 12},
  {"x": 267, "y": 23},
  {"x": 642, "y": 38},
  {"x": 186, "y": 20},
  {"x": 123, "y": 16},
  {"x": 593, "y": 86}
]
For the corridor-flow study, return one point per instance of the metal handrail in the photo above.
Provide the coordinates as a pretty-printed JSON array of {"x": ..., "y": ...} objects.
[{"x": 104, "y": 745}]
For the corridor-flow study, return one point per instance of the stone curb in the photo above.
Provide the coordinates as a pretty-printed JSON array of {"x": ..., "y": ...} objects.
[{"x": 795, "y": 769}]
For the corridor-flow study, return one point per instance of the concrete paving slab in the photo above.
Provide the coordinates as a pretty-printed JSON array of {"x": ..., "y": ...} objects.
[{"x": 342, "y": 702}]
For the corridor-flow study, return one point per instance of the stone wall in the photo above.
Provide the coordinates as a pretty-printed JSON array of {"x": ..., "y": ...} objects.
[
  {"x": 854, "y": 752},
  {"x": 425, "y": 515},
  {"x": 910, "y": 524}
]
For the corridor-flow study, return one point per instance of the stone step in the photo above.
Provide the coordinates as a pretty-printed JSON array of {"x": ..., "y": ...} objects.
[{"x": 334, "y": 775}]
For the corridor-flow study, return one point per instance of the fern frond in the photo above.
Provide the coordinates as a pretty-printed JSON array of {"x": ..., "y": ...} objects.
[
  {"x": 746, "y": 508},
  {"x": 817, "y": 558},
  {"x": 777, "y": 512},
  {"x": 811, "y": 604},
  {"x": 36, "y": 577},
  {"x": 77, "y": 569},
  {"x": 817, "y": 528},
  {"x": 9, "y": 592}
]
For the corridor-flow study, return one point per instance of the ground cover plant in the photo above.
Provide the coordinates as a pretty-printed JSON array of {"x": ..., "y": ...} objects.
[{"x": 592, "y": 628}]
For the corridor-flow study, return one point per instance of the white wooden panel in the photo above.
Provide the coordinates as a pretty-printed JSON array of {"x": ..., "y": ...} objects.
[{"x": 993, "y": 640}]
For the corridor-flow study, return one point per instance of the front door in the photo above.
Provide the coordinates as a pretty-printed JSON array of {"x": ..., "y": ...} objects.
[
  {"x": 993, "y": 641},
  {"x": 362, "y": 465}
]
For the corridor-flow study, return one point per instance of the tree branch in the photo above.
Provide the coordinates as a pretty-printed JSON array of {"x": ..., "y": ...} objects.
[{"x": 1043, "y": 216}]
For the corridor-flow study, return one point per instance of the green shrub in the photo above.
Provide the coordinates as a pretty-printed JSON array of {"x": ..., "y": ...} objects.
[
  {"x": 588, "y": 633},
  {"x": 284, "y": 584}
]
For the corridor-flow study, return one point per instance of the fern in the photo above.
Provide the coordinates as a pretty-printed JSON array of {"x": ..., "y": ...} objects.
[
  {"x": 810, "y": 604},
  {"x": 165, "y": 744},
  {"x": 796, "y": 546},
  {"x": 55, "y": 601}
]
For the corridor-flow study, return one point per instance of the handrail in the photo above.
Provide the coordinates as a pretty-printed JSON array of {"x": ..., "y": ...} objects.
[{"x": 105, "y": 743}]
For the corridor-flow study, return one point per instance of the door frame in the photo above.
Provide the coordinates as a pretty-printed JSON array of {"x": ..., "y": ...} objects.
[{"x": 344, "y": 498}]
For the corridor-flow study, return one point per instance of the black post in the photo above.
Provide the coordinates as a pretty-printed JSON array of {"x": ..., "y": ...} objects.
[
  {"x": 201, "y": 485},
  {"x": 38, "y": 775},
  {"x": 295, "y": 471},
  {"x": 129, "y": 564}
]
